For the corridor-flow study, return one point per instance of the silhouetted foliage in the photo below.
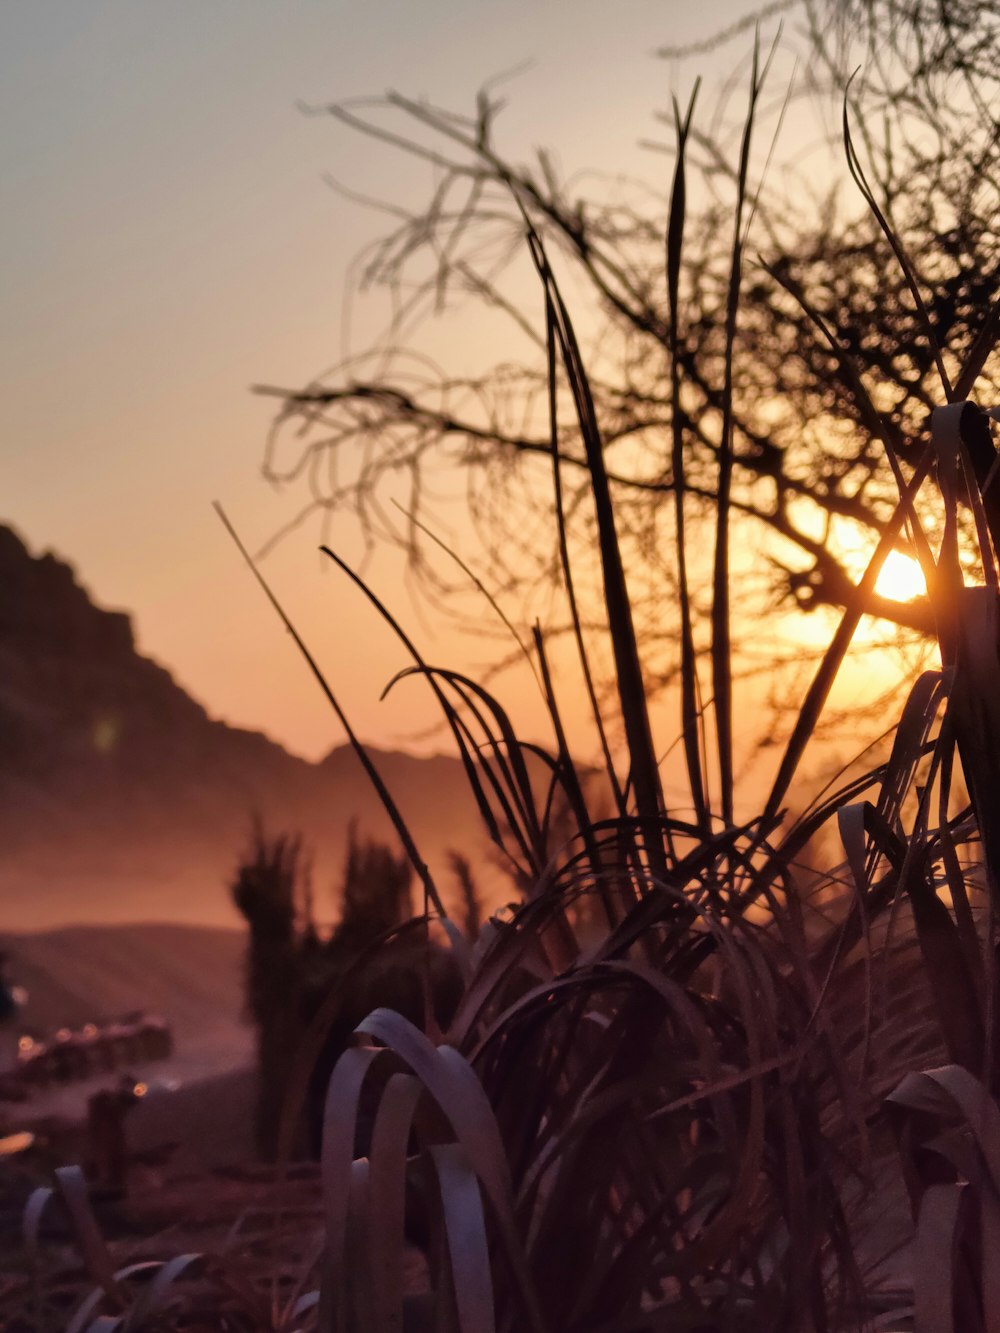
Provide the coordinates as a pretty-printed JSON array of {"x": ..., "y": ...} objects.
[
  {"x": 461, "y": 868},
  {"x": 267, "y": 890},
  {"x": 375, "y": 895},
  {"x": 293, "y": 972},
  {"x": 825, "y": 330}
]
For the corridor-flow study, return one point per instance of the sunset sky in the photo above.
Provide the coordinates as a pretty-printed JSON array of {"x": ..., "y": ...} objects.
[{"x": 169, "y": 241}]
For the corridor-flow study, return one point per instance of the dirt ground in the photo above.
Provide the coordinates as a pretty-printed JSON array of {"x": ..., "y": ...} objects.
[{"x": 190, "y": 1188}]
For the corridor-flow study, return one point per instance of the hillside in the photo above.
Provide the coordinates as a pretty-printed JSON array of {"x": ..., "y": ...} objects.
[
  {"x": 121, "y": 799},
  {"x": 190, "y": 975}
]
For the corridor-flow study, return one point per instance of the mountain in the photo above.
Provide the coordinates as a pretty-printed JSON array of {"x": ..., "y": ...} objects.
[{"x": 122, "y": 800}]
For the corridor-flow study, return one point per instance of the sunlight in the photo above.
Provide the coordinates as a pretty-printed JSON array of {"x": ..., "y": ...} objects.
[{"x": 901, "y": 578}]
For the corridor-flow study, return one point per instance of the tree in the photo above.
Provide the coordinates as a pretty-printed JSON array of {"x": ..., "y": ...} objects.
[
  {"x": 779, "y": 406},
  {"x": 267, "y": 890},
  {"x": 296, "y": 977}
]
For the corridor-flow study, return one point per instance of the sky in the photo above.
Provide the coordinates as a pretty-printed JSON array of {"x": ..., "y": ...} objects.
[{"x": 170, "y": 241}]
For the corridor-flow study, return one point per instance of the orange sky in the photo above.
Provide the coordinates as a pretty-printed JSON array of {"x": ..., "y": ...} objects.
[{"x": 169, "y": 241}]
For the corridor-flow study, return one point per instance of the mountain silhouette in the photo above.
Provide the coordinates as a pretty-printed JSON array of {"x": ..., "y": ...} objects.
[{"x": 122, "y": 800}]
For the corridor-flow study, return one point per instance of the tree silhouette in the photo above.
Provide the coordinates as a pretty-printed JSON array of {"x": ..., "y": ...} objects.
[
  {"x": 265, "y": 890},
  {"x": 769, "y": 405},
  {"x": 293, "y": 972},
  {"x": 375, "y": 895}
]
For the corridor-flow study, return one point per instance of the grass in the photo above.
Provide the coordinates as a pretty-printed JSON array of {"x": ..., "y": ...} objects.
[{"x": 681, "y": 1091}]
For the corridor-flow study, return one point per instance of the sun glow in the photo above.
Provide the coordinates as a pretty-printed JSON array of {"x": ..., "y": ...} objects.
[{"x": 901, "y": 579}]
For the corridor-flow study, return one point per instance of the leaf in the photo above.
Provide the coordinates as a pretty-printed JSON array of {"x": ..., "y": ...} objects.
[
  {"x": 340, "y": 1116},
  {"x": 468, "y": 1249}
]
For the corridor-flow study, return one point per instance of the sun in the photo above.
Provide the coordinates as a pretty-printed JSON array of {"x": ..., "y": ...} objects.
[{"x": 901, "y": 579}]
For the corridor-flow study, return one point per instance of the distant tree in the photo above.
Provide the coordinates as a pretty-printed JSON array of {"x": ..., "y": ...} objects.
[
  {"x": 472, "y": 915},
  {"x": 266, "y": 890},
  {"x": 377, "y": 956},
  {"x": 375, "y": 894},
  {"x": 293, "y": 971},
  {"x": 828, "y": 364}
]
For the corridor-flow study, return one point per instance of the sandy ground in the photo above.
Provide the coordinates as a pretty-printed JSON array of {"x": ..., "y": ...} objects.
[{"x": 209, "y": 1121}]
